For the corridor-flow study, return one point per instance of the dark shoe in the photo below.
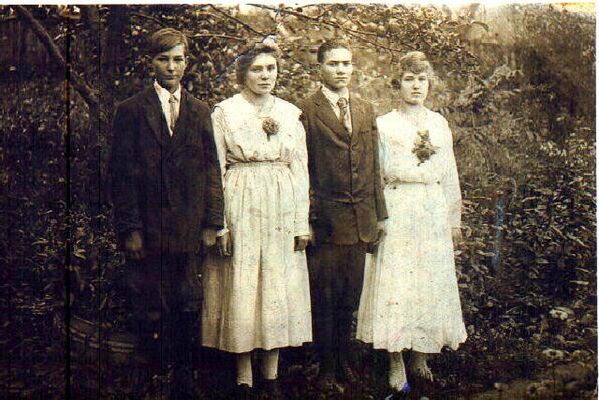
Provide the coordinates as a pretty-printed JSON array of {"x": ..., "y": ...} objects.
[
  {"x": 182, "y": 385},
  {"x": 346, "y": 373},
  {"x": 243, "y": 392},
  {"x": 402, "y": 394},
  {"x": 327, "y": 384},
  {"x": 270, "y": 389}
]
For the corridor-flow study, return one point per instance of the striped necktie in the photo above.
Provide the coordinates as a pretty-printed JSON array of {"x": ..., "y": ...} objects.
[{"x": 344, "y": 117}]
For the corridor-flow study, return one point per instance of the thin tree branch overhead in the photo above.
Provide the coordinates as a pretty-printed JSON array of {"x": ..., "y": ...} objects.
[
  {"x": 237, "y": 20},
  {"x": 191, "y": 36},
  {"x": 89, "y": 94},
  {"x": 149, "y": 17},
  {"x": 361, "y": 35}
]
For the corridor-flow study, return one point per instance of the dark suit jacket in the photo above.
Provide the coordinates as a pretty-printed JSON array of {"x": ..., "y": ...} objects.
[
  {"x": 167, "y": 187},
  {"x": 346, "y": 195}
]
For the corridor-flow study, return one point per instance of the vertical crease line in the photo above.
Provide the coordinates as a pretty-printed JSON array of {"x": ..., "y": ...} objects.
[{"x": 68, "y": 241}]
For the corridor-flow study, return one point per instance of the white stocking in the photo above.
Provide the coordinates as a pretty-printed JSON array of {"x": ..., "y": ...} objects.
[
  {"x": 397, "y": 371},
  {"x": 270, "y": 364},
  {"x": 244, "y": 369}
]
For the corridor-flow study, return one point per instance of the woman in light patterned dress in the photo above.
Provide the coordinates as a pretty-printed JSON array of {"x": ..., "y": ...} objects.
[
  {"x": 410, "y": 299},
  {"x": 256, "y": 293}
]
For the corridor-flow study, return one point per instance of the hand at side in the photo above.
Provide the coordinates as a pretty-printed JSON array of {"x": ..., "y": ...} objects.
[{"x": 134, "y": 247}]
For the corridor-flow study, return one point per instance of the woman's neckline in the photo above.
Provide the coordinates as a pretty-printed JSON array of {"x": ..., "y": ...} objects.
[
  {"x": 421, "y": 116},
  {"x": 263, "y": 105}
]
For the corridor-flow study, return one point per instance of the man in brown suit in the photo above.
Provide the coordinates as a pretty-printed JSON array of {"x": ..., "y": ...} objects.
[
  {"x": 167, "y": 197},
  {"x": 347, "y": 205}
]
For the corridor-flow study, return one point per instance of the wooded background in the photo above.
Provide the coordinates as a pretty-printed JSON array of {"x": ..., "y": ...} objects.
[{"x": 518, "y": 87}]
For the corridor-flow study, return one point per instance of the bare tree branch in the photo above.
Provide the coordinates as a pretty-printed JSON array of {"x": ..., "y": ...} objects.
[
  {"x": 351, "y": 32},
  {"x": 90, "y": 15},
  {"x": 149, "y": 17},
  {"x": 89, "y": 95},
  {"x": 195, "y": 35},
  {"x": 317, "y": 20},
  {"x": 238, "y": 21},
  {"x": 218, "y": 36}
]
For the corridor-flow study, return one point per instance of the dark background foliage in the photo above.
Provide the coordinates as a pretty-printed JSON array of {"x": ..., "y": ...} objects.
[{"x": 517, "y": 85}]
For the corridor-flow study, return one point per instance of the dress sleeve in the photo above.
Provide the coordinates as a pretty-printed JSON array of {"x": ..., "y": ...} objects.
[
  {"x": 305, "y": 120},
  {"x": 381, "y": 206},
  {"x": 299, "y": 170},
  {"x": 220, "y": 127},
  {"x": 451, "y": 182},
  {"x": 383, "y": 151}
]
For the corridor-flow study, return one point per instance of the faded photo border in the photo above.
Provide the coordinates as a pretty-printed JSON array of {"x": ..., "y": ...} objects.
[{"x": 515, "y": 80}]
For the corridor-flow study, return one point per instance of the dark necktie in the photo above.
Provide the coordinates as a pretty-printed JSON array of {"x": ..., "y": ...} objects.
[{"x": 344, "y": 117}]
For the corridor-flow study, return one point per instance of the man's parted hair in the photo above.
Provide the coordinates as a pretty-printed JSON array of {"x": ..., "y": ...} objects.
[
  {"x": 331, "y": 45},
  {"x": 165, "y": 39}
]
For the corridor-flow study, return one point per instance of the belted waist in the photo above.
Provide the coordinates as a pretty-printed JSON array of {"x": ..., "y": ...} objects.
[
  {"x": 249, "y": 164},
  {"x": 397, "y": 183}
]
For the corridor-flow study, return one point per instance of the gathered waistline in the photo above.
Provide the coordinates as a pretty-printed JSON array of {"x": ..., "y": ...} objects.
[
  {"x": 249, "y": 164},
  {"x": 396, "y": 184}
]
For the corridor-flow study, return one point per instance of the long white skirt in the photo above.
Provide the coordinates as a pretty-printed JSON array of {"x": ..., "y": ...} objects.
[
  {"x": 410, "y": 296},
  {"x": 259, "y": 297}
]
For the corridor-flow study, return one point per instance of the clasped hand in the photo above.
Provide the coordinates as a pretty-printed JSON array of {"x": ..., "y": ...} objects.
[{"x": 456, "y": 235}]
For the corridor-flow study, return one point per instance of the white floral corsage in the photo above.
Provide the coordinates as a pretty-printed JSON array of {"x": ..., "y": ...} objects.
[
  {"x": 423, "y": 148},
  {"x": 270, "y": 127}
]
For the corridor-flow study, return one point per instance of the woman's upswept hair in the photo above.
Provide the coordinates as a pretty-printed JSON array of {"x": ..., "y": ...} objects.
[
  {"x": 165, "y": 39},
  {"x": 245, "y": 60},
  {"x": 416, "y": 63}
]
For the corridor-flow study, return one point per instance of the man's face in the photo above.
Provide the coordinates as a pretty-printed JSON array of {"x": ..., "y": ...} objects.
[
  {"x": 336, "y": 68},
  {"x": 169, "y": 67}
]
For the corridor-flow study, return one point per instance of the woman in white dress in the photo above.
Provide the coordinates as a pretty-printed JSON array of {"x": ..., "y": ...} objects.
[
  {"x": 410, "y": 298},
  {"x": 256, "y": 293}
]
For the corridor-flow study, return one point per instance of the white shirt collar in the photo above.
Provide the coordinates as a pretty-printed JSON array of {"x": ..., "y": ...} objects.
[
  {"x": 333, "y": 97},
  {"x": 164, "y": 95}
]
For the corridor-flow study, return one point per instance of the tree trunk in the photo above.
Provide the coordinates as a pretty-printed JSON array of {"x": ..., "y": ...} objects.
[{"x": 117, "y": 54}]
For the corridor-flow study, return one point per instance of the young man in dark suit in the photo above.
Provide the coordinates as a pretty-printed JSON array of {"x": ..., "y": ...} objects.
[
  {"x": 347, "y": 205},
  {"x": 167, "y": 197}
]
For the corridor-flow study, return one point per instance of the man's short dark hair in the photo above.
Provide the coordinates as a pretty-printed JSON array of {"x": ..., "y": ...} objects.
[
  {"x": 331, "y": 45},
  {"x": 165, "y": 39}
]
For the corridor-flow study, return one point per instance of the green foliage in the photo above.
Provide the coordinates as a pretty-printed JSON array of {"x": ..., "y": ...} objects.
[{"x": 556, "y": 51}]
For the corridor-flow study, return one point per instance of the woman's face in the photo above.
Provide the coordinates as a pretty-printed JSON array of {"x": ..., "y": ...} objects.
[
  {"x": 414, "y": 87},
  {"x": 262, "y": 74}
]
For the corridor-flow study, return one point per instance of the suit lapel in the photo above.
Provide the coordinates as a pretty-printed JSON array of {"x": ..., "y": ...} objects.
[
  {"x": 326, "y": 114},
  {"x": 357, "y": 116},
  {"x": 155, "y": 116}
]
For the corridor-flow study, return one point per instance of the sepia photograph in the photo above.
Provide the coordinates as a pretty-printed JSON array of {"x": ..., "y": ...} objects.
[{"x": 371, "y": 201}]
